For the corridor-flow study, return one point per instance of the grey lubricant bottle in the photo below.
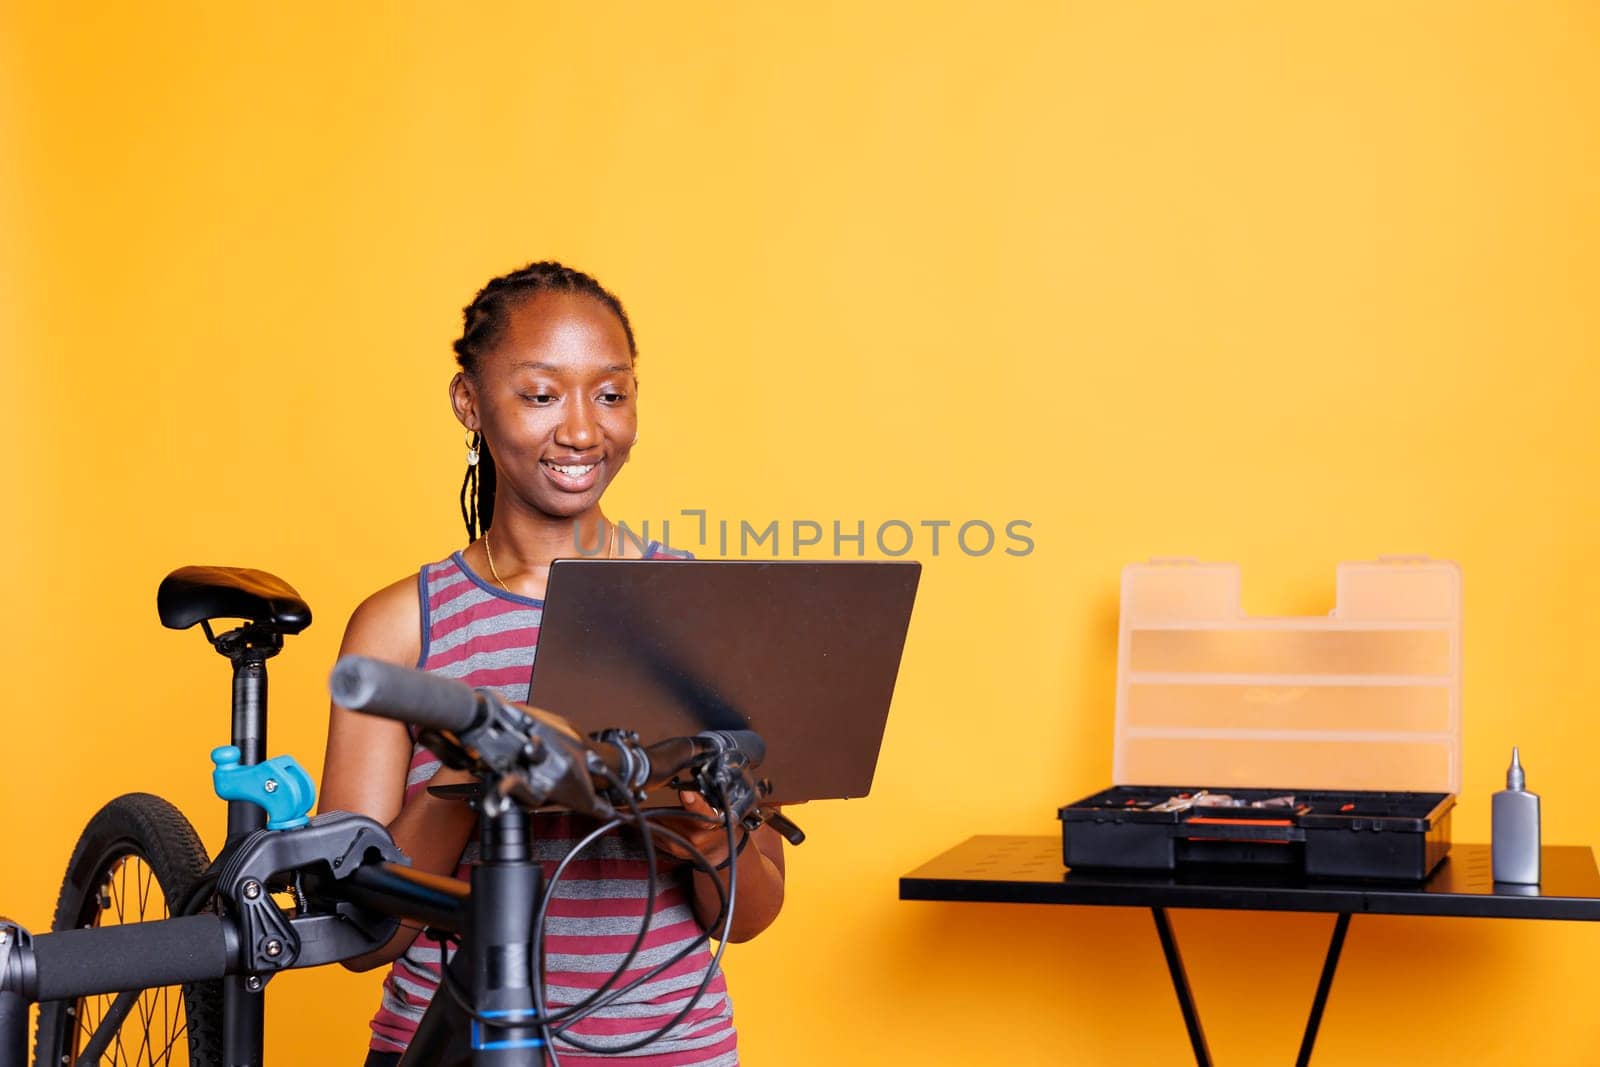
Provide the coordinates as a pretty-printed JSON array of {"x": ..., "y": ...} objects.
[{"x": 1516, "y": 829}]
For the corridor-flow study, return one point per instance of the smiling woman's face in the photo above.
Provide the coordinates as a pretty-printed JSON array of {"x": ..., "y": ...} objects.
[{"x": 554, "y": 401}]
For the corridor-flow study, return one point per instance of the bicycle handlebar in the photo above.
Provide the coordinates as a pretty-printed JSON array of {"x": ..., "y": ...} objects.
[
  {"x": 361, "y": 683},
  {"x": 647, "y": 767},
  {"x": 554, "y": 764}
]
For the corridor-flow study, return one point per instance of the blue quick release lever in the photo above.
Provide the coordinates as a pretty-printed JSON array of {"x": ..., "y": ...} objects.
[{"x": 280, "y": 785}]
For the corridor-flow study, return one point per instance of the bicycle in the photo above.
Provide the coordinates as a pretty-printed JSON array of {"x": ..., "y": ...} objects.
[{"x": 349, "y": 885}]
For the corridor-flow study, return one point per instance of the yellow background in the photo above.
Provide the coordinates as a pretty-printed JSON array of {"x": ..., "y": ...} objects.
[{"x": 1282, "y": 284}]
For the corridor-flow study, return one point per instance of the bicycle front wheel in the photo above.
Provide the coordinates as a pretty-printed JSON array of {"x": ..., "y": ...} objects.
[{"x": 136, "y": 862}]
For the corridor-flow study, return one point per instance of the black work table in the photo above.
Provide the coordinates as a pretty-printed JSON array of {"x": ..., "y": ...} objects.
[{"x": 1028, "y": 870}]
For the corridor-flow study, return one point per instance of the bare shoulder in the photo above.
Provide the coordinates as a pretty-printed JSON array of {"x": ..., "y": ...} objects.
[
  {"x": 388, "y": 624},
  {"x": 364, "y": 769}
]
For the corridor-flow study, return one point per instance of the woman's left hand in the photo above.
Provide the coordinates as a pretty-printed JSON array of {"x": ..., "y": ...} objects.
[
  {"x": 710, "y": 838},
  {"x": 759, "y": 865}
]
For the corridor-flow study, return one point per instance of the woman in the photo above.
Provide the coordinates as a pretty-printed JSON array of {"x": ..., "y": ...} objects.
[{"x": 546, "y": 392}]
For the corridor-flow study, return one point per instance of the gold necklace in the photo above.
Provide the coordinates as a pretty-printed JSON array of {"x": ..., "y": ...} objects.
[
  {"x": 487, "y": 551},
  {"x": 611, "y": 547}
]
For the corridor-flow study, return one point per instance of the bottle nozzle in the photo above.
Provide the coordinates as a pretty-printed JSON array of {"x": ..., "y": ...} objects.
[{"x": 1515, "y": 779}]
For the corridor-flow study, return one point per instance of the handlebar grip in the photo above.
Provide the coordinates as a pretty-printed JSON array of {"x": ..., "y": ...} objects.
[
  {"x": 746, "y": 741},
  {"x": 361, "y": 683},
  {"x": 109, "y": 959}
]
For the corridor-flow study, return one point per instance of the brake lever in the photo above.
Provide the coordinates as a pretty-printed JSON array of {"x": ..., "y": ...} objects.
[
  {"x": 783, "y": 824},
  {"x": 725, "y": 781},
  {"x": 468, "y": 791}
]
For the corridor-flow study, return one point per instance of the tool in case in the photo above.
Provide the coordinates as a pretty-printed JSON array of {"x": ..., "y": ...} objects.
[{"x": 1326, "y": 744}]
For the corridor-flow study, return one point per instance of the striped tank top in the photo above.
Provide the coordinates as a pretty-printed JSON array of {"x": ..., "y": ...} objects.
[{"x": 486, "y": 636}]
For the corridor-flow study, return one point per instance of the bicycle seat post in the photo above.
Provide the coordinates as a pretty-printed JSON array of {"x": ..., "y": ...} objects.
[{"x": 248, "y": 648}]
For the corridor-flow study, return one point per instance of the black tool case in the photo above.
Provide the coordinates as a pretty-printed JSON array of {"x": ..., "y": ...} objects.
[
  {"x": 1328, "y": 745},
  {"x": 1356, "y": 834}
]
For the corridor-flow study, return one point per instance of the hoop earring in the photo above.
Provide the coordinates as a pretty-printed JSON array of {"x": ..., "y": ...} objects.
[{"x": 473, "y": 440}]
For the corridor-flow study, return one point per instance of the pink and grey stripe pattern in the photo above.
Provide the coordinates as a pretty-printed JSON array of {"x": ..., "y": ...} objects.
[{"x": 486, "y": 637}]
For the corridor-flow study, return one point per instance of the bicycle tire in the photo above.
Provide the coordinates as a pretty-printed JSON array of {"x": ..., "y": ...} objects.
[{"x": 145, "y": 837}]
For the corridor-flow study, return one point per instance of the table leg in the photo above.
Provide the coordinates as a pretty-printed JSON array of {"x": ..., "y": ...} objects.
[
  {"x": 1329, "y": 965},
  {"x": 1180, "y": 983}
]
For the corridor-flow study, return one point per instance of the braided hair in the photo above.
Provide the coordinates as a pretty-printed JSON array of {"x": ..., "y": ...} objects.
[{"x": 485, "y": 323}]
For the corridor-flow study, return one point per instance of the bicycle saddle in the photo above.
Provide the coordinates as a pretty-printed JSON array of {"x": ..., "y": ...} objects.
[{"x": 191, "y": 594}]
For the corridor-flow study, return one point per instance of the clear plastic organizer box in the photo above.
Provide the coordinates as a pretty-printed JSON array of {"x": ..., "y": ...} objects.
[{"x": 1331, "y": 744}]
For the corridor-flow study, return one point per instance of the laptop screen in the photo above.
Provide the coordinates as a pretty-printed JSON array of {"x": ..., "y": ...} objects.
[{"x": 804, "y": 653}]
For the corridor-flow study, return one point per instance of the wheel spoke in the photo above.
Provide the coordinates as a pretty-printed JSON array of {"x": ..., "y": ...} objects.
[
  {"x": 91, "y": 1016},
  {"x": 81, "y": 1035},
  {"x": 144, "y": 1037},
  {"x": 143, "y": 875},
  {"x": 85, "y": 1020},
  {"x": 174, "y": 1036},
  {"x": 146, "y": 1012},
  {"x": 180, "y": 1031},
  {"x": 166, "y": 1023},
  {"x": 115, "y": 907}
]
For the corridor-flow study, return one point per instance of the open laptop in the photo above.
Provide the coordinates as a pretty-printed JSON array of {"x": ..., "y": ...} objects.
[{"x": 804, "y": 653}]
